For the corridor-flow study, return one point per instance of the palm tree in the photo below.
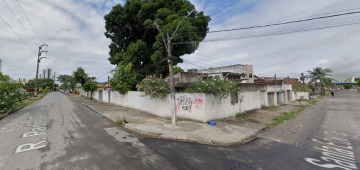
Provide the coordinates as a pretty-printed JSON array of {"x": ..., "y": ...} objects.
[{"x": 319, "y": 76}]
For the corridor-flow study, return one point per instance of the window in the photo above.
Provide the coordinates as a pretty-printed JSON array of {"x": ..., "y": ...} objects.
[{"x": 250, "y": 75}]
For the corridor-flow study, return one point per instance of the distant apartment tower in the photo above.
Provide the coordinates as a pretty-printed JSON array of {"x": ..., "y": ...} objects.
[
  {"x": 47, "y": 73},
  {"x": 0, "y": 66}
]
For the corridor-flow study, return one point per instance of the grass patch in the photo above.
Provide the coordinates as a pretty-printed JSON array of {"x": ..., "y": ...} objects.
[
  {"x": 242, "y": 115},
  {"x": 312, "y": 101},
  {"x": 285, "y": 116},
  {"x": 19, "y": 104},
  {"x": 33, "y": 99},
  {"x": 272, "y": 106}
]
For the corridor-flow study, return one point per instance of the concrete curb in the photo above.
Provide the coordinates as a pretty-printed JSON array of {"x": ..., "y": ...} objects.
[
  {"x": 207, "y": 142},
  {"x": 151, "y": 135}
]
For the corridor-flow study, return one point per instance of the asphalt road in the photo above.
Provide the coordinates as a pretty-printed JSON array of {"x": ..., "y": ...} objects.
[{"x": 59, "y": 133}]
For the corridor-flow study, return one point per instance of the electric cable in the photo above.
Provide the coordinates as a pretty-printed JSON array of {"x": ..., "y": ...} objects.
[
  {"x": 271, "y": 34},
  {"x": 29, "y": 21},
  {"x": 303, "y": 26},
  {"x": 20, "y": 23},
  {"x": 18, "y": 35},
  {"x": 225, "y": 8},
  {"x": 278, "y": 23}
]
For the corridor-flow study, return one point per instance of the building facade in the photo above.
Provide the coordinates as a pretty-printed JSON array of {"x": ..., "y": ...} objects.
[
  {"x": 239, "y": 72},
  {"x": 47, "y": 73}
]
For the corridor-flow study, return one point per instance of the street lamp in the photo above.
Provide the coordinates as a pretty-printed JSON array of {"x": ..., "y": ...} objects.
[
  {"x": 168, "y": 49},
  {"x": 37, "y": 69}
]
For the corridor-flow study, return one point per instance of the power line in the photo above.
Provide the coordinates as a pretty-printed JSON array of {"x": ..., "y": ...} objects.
[
  {"x": 17, "y": 35},
  {"x": 104, "y": 75},
  {"x": 314, "y": 15},
  {"x": 21, "y": 23},
  {"x": 304, "y": 26},
  {"x": 279, "y": 23},
  {"x": 225, "y": 8},
  {"x": 212, "y": 58},
  {"x": 29, "y": 22},
  {"x": 268, "y": 34}
]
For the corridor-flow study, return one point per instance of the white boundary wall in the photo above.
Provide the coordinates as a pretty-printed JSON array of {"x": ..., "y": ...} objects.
[{"x": 194, "y": 106}]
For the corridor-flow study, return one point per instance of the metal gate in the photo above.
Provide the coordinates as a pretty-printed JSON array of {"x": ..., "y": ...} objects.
[
  {"x": 270, "y": 99},
  {"x": 279, "y": 98},
  {"x": 109, "y": 96},
  {"x": 100, "y": 95}
]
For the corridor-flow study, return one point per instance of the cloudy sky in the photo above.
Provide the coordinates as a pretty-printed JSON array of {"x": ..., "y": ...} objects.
[{"x": 74, "y": 32}]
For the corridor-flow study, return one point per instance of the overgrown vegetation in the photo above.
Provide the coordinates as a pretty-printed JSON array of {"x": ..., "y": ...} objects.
[
  {"x": 11, "y": 93},
  {"x": 215, "y": 85},
  {"x": 242, "y": 115},
  {"x": 312, "y": 101},
  {"x": 285, "y": 116},
  {"x": 154, "y": 87},
  {"x": 190, "y": 90},
  {"x": 300, "y": 88}
]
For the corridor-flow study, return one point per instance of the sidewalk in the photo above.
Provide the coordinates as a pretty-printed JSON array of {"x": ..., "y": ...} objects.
[{"x": 226, "y": 132}]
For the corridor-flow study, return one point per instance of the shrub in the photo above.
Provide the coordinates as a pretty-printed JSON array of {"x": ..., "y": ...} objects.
[
  {"x": 154, "y": 87},
  {"x": 215, "y": 85},
  {"x": 190, "y": 90},
  {"x": 300, "y": 88}
]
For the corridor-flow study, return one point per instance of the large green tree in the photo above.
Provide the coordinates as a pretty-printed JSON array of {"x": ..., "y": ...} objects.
[
  {"x": 137, "y": 44},
  {"x": 80, "y": 76},
  {"x": 44, "y": 83},
  {"x": 67, "y": 81},
  {"x": 90, "y": 86},
  {"x": 319, "y": 77}
]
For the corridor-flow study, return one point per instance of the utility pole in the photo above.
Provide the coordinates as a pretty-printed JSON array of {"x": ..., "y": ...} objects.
[
  {"x": 275, "y": 78},
  {"x": 54, "y": 81},
  {"x": 303, "y": 79},
  {"x": 37, "y": 69},
  {"x": 172, "y": 89},
  {"x": 288, "y": 80},
  {"x": 108, "y": 81},
  {"x": 168, "y": 48}
]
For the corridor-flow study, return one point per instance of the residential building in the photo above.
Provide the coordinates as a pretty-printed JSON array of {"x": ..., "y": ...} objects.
[
  {"x": 0, "y": 66},
  {"x": 239, "y": 72}
]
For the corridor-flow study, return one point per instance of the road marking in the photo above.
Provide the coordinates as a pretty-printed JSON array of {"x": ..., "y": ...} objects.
[
  {"x": 31, "y": 146},
  {"x": 37, "y": 125},
  {"x": 338, "y": 155}
]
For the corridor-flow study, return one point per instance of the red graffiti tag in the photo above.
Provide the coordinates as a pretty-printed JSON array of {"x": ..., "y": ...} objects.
[
  {"x": 178, "y": 107},
  {"x": 198, "y": 101},
  {"x": 198, "y": 107}
]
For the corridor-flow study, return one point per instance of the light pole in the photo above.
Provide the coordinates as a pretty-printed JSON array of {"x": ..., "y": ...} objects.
[
  {"x": 54, "y": 81},
  {"x": 168, "y": 48},
  {"x": 37, "y": 69}
]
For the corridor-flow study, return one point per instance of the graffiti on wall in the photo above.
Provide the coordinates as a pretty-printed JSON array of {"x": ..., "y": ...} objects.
[{"x": 185, "y": 103}]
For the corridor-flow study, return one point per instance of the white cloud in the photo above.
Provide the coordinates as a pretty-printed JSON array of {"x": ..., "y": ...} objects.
[{"x": 74, "y": 31}]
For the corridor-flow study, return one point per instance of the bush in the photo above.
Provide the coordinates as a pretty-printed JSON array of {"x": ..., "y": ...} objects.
[
  {"x": 214, "y": 85},
  {"x": 300, "y": 88},
  {"x": 190, "y": 90},
  {"x": 154, "y": 87}
]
